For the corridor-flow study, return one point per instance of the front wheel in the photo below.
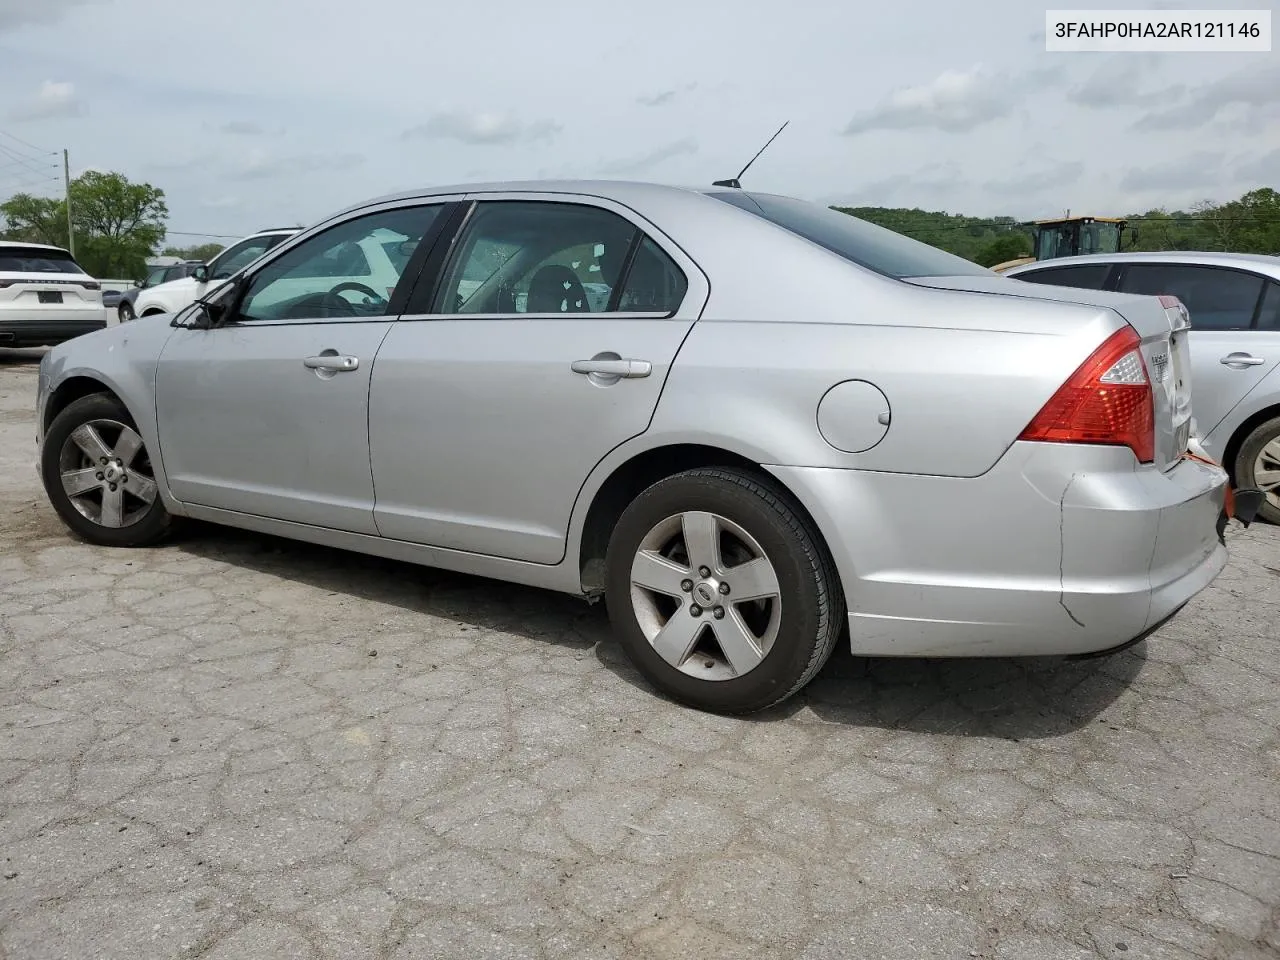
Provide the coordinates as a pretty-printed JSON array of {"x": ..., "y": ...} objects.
[
  {"x": 720, "y": 592},
  {"x": 1258, "y": 466},
  {"x": 124, "y": 311},
  {"x": 98, "y": 475}
]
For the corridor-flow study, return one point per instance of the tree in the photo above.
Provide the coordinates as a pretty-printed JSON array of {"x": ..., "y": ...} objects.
[
  {"x": 202, "y": 251},
  {"x": 35, "y": 219},
  {"x": 1010, "y": 246},
  {"x": 121, "y": 222},
  {"x": 117, "y": 223}
]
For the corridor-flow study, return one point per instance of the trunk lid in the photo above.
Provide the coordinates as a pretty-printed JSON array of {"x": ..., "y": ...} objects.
[
  {"x": 48, "y": 291},
  {"x": 1162, "y": 323}
]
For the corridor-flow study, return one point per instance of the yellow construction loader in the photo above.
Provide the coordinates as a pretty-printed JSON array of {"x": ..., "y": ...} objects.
[{"x": 1070, "y": 237}]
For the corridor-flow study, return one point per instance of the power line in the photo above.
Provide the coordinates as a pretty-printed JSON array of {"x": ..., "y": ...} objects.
[
  {"x": 27, "y": 143},
  {"x": 30, "y": 163}
]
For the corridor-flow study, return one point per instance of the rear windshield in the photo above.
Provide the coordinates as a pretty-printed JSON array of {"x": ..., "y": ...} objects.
[
  {"x": 863, "y": 243},
  {"x": 37, "y": 260}
]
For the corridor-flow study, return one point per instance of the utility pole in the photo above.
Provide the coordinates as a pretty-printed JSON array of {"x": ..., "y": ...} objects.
[{"x": 66, "y": 175}]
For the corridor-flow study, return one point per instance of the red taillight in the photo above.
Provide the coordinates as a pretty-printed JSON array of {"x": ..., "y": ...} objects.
[
  {"x": 1107, "y": 400},
  {"x": 91, "y": 285}
]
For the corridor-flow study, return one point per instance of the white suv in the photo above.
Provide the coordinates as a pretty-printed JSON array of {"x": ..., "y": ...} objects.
[
  {"x": 173, "y": 296},
  {"x": 45, "y": 296}
]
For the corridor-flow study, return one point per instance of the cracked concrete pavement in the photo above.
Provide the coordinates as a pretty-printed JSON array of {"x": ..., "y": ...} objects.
[{"x": 238, "y": 747}]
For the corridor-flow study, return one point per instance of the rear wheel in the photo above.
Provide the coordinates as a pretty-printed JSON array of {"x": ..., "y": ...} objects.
[
  {"x": 720, "y": 593},
  {"x": 98, "y": 475},
  {"x": 1258, "y": 466},
  {"x": 124, "y": 311}
]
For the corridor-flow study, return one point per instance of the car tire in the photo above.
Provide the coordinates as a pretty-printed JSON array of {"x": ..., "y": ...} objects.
[
  {"x": 126, "y": 513},
  {"x": 1261, "y": 451},
  {"x": 124, "y": 312},
  {"x": 689, "y": 619}
]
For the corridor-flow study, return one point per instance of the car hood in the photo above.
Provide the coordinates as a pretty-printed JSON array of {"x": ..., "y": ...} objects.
[{"x": 181, "y": 284}]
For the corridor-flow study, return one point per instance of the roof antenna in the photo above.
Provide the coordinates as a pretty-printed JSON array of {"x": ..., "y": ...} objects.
[{"x": 736, "y": 182}]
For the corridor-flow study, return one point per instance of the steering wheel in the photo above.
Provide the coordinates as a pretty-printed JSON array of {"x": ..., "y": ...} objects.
[{"x": 334, "y": 296}]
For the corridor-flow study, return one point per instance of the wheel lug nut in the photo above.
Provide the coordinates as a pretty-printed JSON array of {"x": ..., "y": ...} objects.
[
  {"x": 724, "y": 589},
  {"x": 696, "y": 610},
  {"x": 98, "y": 475},
  {"x": 685, "y": 585},
  {"x": 704, "y": 571},
  {"x": 113, "y": 488},
  {"x": 719, "y": 613}
]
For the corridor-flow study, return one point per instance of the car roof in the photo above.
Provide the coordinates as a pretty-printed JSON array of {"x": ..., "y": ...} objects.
[
  {"x": 1250, "y": 261},
  {"x": 31, "y": 246}
]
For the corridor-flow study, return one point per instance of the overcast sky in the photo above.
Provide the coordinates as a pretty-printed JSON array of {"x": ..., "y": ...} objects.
[{"x": 251, "y": 113}]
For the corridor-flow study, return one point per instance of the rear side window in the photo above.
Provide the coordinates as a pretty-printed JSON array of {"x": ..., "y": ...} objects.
[
  {"x": 1218, "y": 299},
  {"x": 654, "y": 284},
  {"x": 858, "y": 241},
  {"x": 37, "y": 260},
  {"x": 1269, "y": 315},
  {"x": 1089, "y": 276}
]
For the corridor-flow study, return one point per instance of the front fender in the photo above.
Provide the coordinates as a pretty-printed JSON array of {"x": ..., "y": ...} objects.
[{"x": 123, "y": 359}]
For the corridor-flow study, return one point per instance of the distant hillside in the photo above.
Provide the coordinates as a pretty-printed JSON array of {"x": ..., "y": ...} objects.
[{"x": 1248, "y": 225}]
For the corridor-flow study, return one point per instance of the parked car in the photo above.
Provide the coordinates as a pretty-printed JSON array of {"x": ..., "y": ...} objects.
[
  {"x": 196, "y": 280},
  {"x": 126, "y": 305},
  {"x": 1234, "y": 301},
  {"x": 112, "y": 290},
  {"x": 782, "y": 422},
  {"x": 45, "y": 296}
]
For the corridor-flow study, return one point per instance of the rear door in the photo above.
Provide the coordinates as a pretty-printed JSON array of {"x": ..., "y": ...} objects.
[
  {"x": 1229, "y": 355},
  {"x": 543, "y": 344}
]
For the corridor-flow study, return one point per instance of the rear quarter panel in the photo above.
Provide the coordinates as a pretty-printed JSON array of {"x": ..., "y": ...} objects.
[{"x": 963, "y": 375}]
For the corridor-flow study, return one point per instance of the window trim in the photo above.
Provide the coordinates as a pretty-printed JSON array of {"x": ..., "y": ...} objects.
[
  {"x": 409, "y": 278},
  {"x": 1254, "y": 317},
  {"x": 697, "y": 286}
]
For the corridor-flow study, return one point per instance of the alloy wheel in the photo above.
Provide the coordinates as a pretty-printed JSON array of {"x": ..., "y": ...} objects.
[{"x": 106, "y": 473}]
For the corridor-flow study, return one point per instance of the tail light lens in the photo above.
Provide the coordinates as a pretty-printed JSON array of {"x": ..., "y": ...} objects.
[
  {"x": 91, "y": 285},
  {"x": 1108, "y": 400}
]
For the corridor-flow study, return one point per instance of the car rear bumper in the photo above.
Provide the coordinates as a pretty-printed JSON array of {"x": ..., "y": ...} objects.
[
  {"x": 1057, "y": 550},
  {"x": 50, "y": 328}
]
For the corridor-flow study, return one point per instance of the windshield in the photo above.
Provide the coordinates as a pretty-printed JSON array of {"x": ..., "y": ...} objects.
[
  {"x": 37, "y": 260},
  {"x": 863, "y": 243}
]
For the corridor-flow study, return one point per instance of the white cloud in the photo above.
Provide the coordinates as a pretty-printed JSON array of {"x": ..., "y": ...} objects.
[
  {"x": 261, "y": 166},
  {"x": 486, "y": 129},
  {"x": 955, "y": 101},
  {"x": 651, "y": 158},
  {"x": 21, "y": 13},
  {"x": 52, "y": 100}
]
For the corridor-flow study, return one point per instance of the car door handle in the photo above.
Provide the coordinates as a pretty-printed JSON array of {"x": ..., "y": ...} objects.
[
  {"x": 613, "y": 368},
  {"x": 1241, "y": 360},
  {"x": 333, "y": 362}
]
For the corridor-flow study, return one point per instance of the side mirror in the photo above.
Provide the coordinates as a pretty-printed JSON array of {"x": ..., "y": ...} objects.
[{"x": 201, "y": 273}]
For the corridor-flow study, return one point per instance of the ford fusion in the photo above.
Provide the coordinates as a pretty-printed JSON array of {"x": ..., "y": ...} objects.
[{"x": 755, "y": 426}]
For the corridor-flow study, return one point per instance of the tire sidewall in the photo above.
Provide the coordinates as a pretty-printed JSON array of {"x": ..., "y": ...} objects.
[
  {"x": 1261, "y": 435},
  {"x": 801, "y": 625},
  {"x": 98, "y": 406}
]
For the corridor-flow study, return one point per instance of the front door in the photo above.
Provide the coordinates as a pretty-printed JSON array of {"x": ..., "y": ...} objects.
[
  {"x": 546, "y": 345},
  {"x": 1229, "y": 356},
  {"x": 266, "y": 413}
]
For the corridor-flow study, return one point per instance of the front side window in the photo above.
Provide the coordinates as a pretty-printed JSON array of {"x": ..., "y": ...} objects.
[
  {"x": 1217, "y": 298},
  {"x": 537, "y": 257},
  {"x": 345, "y": 271},
  {"x": 37, "y": 260},
  {"x": 1092, "y": 276}
]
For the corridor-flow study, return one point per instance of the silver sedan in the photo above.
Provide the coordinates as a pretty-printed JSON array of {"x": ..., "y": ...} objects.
[{"x": 751, "y": 424}]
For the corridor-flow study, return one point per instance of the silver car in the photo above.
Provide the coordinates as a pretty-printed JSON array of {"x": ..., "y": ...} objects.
[
  {"x": 1234, "y": 300},
  {"x": 781, "y": 423}
]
